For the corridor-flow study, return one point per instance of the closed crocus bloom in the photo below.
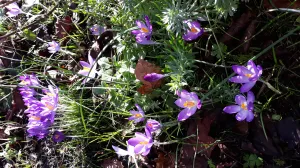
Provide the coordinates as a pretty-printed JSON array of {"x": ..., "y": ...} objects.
[
  {"x": 29, "y": 80},
  {"x": 194, "y": 31},
  {"x": 13, "y": 10},
  {"x": 53, "y": 47},
  {"x": 246, "y": 75},
  {"x": 190, "y": 102},
  {"x": 97, "y": 30},
  {"x": 58, "y": 136},
  {"x": 244, "y": 107},
  {"x": 89, "y": 69},
  {"x": 137, "y": 116},
  {"x": 152, "y": 125},
  {"x": 142, "y": 143},
  {"x": 27, "y": 92},
  {"x": 152, "y": 77}
]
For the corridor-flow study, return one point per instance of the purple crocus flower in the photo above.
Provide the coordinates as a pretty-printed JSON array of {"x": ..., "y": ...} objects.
[
  {"x": 142, "y": 143},
  {"x": 51, "y": 94},
  {"x": 143, "y": 35},
  {"x": 13, "y": 9},
  {"x": 244, "y": 107},
  {"x": 27, "y": 92},
  {"x": 29, "y": 80},
  {"x": 194, "y": 31},
  {"x": 96, "y": 30},
  {"x": 53, "y": 47},
  {"x": 38, "y": 129},
  {"x": 246, "y": 75},
  {"x": 152, "y": 125},
  {"x": 145, "y": 29},
  {"x": 58, "y": 136},
  {"x": 190, "y": 102},
  {"x": 137, "y": 116},
  {"x": 122, "y": 152},
  {"x": 152, "y": 77},
  {"x": 89, "y": 69}
]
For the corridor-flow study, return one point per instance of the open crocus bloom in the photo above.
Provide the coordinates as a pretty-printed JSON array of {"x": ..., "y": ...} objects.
[
  {"x": 190, "y": 102},
  {"x": 142, "y": 143},
  {"x": 53, "y": 47},
  {"x": 137, "y": 116},
  {"x": 244, "y": 107},
  {"x": 194, "y": 31},
  {"x": 13, "y": 10},
  {"x": 145, "y": 29},
  {"x": 143, "y": 35},
  {"x": 89, "y": 69},
  {"x": 122, "y": 152},
  {"x": 29, "y": 80},
  {"x": 152, "y": 125},
  {"x": 246, "y": 75},
  {"x": 152, "y": 77},
  {"x": 96, "y": 30},
  {"x": 58, "y": 136}
]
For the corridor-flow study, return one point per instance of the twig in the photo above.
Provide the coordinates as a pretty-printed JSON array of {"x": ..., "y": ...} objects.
[
  {"x": 214, "y": 65},
  {"x": 43, "y": 17}
]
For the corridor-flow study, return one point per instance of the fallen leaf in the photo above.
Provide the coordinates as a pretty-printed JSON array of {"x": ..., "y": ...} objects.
[
  {"x": 112, "y": 163},
  {"x": 241, "y": 127},
  {"x": 63, "y": 27},
  {"x": 281, "y": 4},
  {"x": 142, "y": 68},
  {"x": 165, "y": 160}
]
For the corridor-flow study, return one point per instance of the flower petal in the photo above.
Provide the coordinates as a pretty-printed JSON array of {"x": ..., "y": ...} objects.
[
  {"x": 240, "y": 116},
  {"x": 84, "y": 64},
  {"x": 247, "y": 86},
  {"x": 241, "y": 70},
  {"x": 252, "y": 67},
  {"x": 139, "y": 148},
  {"x": 119, "y": 151},
  {"x": 148, "y": 23},
  {"x": 250, "y": 116},
  {"x": 140, "y": 24},
  {"x": 135, "y": 32},
  {"x": 186, "y": 113},
  {"x": 260, "y": 70},
  {"x": 232, "y": 109},
  {"x": 240, "y": 99},
  {"x": 180, "y": 102},
  {"x": 134, "y": 141},
  {"x": 239, "y": 79},
  {"x": 139, "y": 108},
  {"x": 250, "y": 97}
]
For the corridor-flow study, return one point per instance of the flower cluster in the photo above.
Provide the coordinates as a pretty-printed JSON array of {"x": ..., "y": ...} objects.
[
  {"x": 40, "y": 113},
  {"x": 97, "y": 30},
  {"x": 142, "y": 142},
  {"x": 247, "y": 76},
  {"x": 144, "y": 33}
]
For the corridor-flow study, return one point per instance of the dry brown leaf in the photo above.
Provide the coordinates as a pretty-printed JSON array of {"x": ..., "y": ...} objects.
[
  {"x": 142, "y": 68},
  {"x": 63, "y": 27},
  {"x": 112, "y": 163},
  {"x": 165, "y": 160},
  {"x": 281, "y": 4}
]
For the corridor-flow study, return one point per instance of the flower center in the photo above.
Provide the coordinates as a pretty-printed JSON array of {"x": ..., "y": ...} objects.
[
  {"x": 23, "y": 82},
  {"x": 150, "y": 125},
  {"x": 35, "y": 118},
  {"x": 138, "y": 115},
  {"x": 95, "y": 29},
  {"x": 143, "y": 142},
  {"x": 50, "y": 94},
  {"x": 189, "y": 104},
  {"x": 194, "y": 30},
  {"x": 56, "y": 136},
  {"x": 87, "y": 69},
  {"x": 49, "y": 106},
  {"x": 244, "y": 106},
  {"x": 248, "y": 75},
  {"x": 144, "y": 30}
]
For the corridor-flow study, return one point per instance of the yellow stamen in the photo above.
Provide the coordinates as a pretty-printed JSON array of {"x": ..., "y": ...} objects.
[
  {"x": 143, "y": 142},
  {"x": 138, "y": 115},
  {"x": 86, "y": 69},
  {"x": 248, "y": 75},
  {"x": 244, "y": 106},
  {"x": 189, "y": 104},
  {"x": 23, "y": 82},
  {"x": 145, "y": 30},
  {"x": 49, "y": 106},
  {"x": 194, "y": 30},
  {"x": 35, "y": 118},
  {"x": 50, "y": 94}
]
